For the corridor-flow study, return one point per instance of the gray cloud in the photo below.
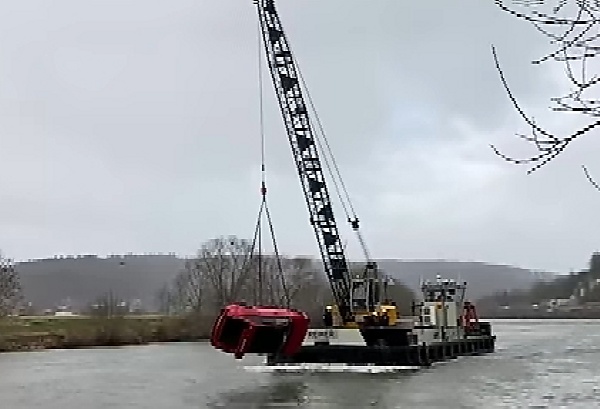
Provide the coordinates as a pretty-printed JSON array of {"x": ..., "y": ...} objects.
[{"x": 134, "y": 127}]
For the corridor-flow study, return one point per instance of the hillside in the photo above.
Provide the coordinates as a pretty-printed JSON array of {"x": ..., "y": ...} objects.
[
  {"x": 50, "y": 282},
  {"x": 482, "y": 278}
]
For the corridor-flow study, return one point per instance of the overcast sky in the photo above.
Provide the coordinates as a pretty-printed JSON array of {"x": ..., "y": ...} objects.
[{"x": 133, "y": 127}]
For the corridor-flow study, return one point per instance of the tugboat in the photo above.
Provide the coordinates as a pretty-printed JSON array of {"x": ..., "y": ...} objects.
[{"x": 362, "y": 327}]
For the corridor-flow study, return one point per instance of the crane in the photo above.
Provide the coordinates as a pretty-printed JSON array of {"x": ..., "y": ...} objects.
[
  {"x": 357, "y": 297},
  {"x": 351, "y": 294},
  {"x": 361, "y": 327},
  {"x": 240, "y": 329}
]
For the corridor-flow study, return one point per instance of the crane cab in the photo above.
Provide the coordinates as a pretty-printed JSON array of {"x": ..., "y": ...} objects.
[
  {"x": 382, "y": 315},
  {"x": 367, "y": 306}
]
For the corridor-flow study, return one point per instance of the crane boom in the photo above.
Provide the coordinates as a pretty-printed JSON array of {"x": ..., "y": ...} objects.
[{"x": 301, "y": 135}]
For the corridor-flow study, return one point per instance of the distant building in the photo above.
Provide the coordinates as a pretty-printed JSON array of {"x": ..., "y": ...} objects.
[
  {"x": 64, "y": 314},
  {"x": 559, "y": 304},
  {"x": 592, "y": 305}
]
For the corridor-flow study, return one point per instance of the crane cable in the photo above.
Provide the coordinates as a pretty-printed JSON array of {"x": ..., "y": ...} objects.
[{"x": 264, "y": 206}]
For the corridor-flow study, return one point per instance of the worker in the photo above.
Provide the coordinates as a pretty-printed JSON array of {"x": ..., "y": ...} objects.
[
  {"x": 385, "y": 319},
  {"x": 328, "y": 317},
  {"x": 375, "y": 318}
]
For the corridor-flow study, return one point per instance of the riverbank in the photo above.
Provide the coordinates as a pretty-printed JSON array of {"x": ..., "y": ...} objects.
[
  {"x": 37, "y": 333},
  {"x": 560, "y": 315},
  {"x": 34, "y": 333}
]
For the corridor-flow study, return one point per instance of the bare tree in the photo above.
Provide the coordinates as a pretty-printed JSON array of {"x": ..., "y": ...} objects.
[
  {"x": 290, "y": 281},
  {"x": 221, "y": 273},
  {"x": 571, "y": 26},
  {"x": 186, "y": 292},
  {"x": 164, "y": 299},
  {"x": 228, "y": 270},
  {"x": 11, "y": 296},
  {"x": 108, "y": 305}
]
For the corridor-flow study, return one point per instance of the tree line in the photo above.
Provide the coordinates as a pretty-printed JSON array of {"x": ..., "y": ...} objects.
[
  {"x": 11, "y": 294},
  {"x": 582, "y": 286}
]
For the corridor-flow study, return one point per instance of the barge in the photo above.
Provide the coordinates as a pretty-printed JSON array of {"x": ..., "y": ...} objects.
[{"x": 445, "y": 327}]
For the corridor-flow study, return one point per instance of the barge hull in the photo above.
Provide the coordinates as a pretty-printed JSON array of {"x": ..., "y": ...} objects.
[{"x": 401, "y": 356}]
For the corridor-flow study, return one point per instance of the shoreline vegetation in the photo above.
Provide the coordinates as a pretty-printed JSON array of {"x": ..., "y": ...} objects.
[
  {"x": 40, "y": 333},
  {"x": 37, "y": 333},
  {"x": 225, "y": 269},
  {"x": 186, "y": 306}
]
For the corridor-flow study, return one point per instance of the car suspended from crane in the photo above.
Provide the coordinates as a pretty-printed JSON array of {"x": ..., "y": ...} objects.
[{"x": 362, "y": 326}]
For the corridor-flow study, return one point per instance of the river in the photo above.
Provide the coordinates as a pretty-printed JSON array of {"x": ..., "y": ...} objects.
[{"x": 538, "y": 364}]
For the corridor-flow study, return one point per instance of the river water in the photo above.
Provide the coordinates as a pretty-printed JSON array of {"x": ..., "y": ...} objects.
[{"x": 538, "y": 364}]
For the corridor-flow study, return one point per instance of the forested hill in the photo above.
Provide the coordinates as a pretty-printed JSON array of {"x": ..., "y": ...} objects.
[
  {"x": 79, "y": 281},
  {"x": 50, "y": 282},
  {"x": 482, "y": 278}
]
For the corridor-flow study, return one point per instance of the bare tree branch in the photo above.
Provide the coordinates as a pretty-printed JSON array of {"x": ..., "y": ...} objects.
[
  {"x": 11, "y": 295},
  {"x": 590, "y": 179},
  {"x": 572, "y": 26}
]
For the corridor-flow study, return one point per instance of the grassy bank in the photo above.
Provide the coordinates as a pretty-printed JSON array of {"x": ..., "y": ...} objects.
[{"x": 26, "y": 333}]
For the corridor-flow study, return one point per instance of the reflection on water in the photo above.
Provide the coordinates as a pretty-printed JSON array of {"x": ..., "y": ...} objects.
[
  {"x": 330, "y": 390},
  {"x": 537, "y": 365},
  {"x": 280, "y": 393}
]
